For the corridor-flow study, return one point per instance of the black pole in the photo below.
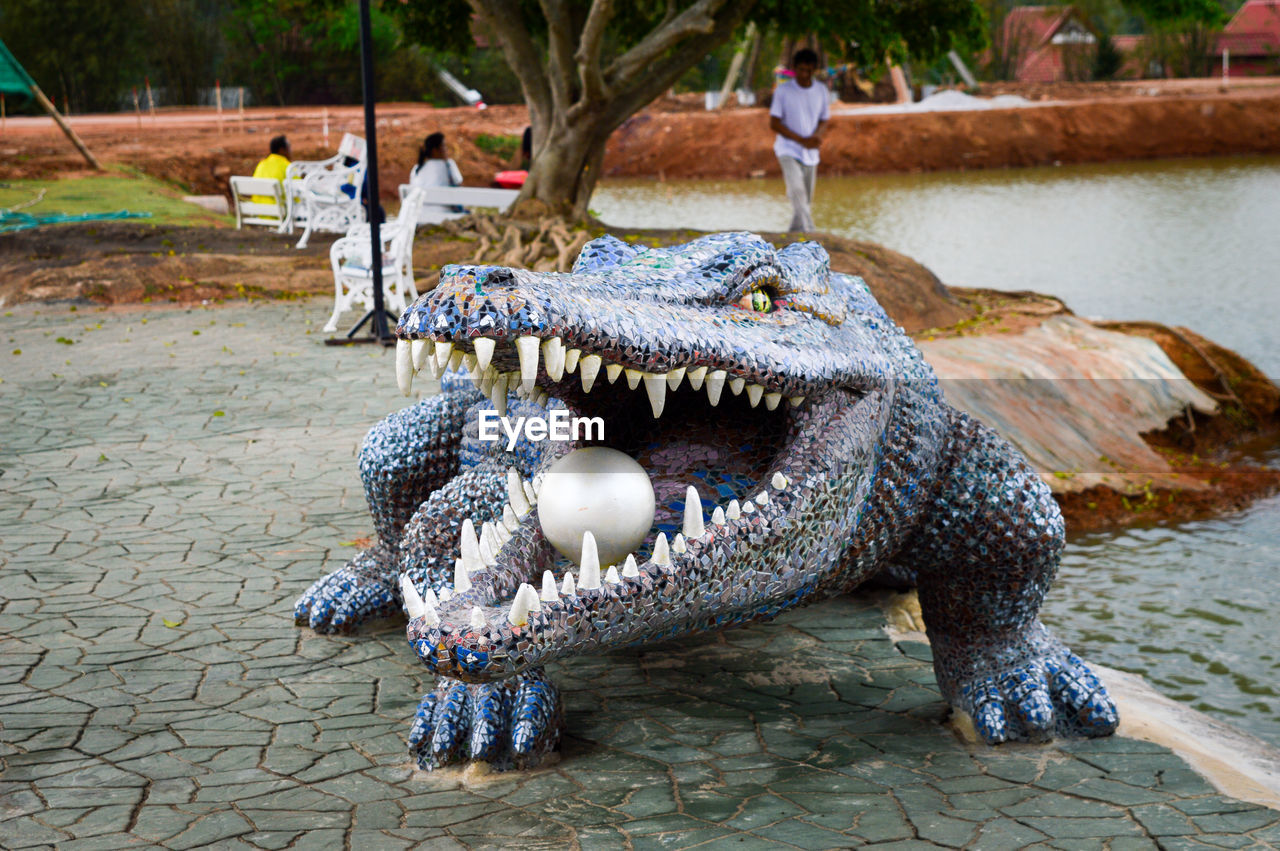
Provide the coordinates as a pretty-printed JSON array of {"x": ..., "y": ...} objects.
[{"x": 377, "y": 318}]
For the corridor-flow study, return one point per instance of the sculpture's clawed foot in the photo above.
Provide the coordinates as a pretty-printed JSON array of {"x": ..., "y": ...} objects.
[
  {"x": 362, "y": 589},
  {"x": 1048, "y": 691},
  {"x": 509, "y": 724}
]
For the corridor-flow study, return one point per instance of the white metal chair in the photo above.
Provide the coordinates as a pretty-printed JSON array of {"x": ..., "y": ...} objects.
[
  {"x": 353, "y": 267},
  {"x": 249, "y": 211},
  {"x": 324, "y": 195}
]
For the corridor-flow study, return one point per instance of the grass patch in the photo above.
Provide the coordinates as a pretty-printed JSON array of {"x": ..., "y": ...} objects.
[
  {"x": 108, "y": 194},
  {"x": 503, "y": 146}
]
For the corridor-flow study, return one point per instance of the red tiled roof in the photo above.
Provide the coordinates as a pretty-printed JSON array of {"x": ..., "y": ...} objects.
[
  {"x": 1256, "y": 16},
  {"x": 1248, "y": 43},
  {"x": 1032, "y": 26}
]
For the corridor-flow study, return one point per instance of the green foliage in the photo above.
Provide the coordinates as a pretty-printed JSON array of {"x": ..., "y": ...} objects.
[
  {"x": 1177, "y": 13},
  {"x": 502, "y": 146},
  {"x": 1107, "y": 59}
]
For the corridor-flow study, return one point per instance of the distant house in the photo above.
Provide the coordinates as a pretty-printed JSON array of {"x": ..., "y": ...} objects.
[
  {"x": 1044, "y": 44},
  {"x": 1253, "y": 38}
]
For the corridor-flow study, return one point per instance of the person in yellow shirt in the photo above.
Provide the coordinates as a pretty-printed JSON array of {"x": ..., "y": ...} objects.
[{"x": 273, "y": 166}]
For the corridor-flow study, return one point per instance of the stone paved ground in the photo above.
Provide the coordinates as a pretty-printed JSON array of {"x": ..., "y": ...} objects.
[{"x": 172, "y": 479}]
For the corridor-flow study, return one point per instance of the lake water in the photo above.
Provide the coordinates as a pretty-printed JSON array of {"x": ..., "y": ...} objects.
[{"x": 1186, "y": 242}]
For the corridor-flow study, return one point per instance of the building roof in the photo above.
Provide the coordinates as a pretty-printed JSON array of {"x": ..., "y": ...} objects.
[
  {"x": 1032, "y": 26},
  {"x": 1254, "y": 30}
]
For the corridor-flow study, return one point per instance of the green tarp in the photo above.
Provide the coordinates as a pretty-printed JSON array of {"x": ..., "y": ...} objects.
[{"x": 14, "y": 80}]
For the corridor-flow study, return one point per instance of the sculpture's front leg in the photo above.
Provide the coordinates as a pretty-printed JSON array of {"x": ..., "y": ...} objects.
[
  {"x": 403, "y": 459},
  {"x": 513, "y": 723},
  {"x": 986, "y": 554}
]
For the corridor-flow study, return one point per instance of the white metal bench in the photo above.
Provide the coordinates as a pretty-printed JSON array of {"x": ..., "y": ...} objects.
[
  {"x": 437, "y": 200},
  {"x": 318, "y": 198},
  {"x": 251, "y": 212}
]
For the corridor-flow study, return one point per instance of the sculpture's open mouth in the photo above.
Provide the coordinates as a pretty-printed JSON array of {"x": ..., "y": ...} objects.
[{"x": 757, "y": 460}]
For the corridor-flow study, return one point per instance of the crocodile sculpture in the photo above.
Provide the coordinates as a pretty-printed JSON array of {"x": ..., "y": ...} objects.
[{"x": 831, "y": 460}]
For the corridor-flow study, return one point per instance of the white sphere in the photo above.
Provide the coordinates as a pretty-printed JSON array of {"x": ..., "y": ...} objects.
[{"x": 599, "y": 490}]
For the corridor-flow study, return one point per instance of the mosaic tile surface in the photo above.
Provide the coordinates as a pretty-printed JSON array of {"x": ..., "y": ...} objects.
[{"x": 762, "y": 504}]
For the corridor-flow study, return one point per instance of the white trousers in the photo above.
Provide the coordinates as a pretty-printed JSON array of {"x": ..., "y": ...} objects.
[{"x": 799, "y": 179}]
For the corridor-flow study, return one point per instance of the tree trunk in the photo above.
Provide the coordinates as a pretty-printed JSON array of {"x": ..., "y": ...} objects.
[{"x": 565, "y": 170}]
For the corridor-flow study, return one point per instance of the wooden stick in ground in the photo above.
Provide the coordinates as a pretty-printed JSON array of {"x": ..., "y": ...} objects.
[
  {"x": 151, "y": 101},
  {"x": 66, "y": 128},
  {"x": 240, "y": 93},
  {"x": 137, "y": 108},
  {"x": 2, "y": 116},
  {"x": 217, "y": 98}
]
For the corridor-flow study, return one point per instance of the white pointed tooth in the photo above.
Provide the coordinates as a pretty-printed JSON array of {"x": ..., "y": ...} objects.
[
  {"x": 748, "y": 507},
  {"x": 553, "y": 356},
  {"x": 693, "y": 526},
  {"x": 489, "y": 550},
  {"x": 461, "y": 582},
  {"x": 590, "y": 369},
  {"x": 678, "y": 545},
  {"x": 735, "y": 511},
  {"x": 429, "y": 597},
  {"x": 526, "y": 601},
  {"x": 754, "y": 392},
  {"x": 795, "y": 401},
  {"x": 413, "y": 601},
  {"x": 696, "y": 375},
  {"x": 519, "y": 613},
  {"x": 484, "y": 351},
  {"x": 509, "y": 520},
  {"x": 470, "y": 547},
  {"x": 456, "y": 359},
  {"x": 762, "y": 498},
  {"x": 429, "y": 614},
  {"x": 543, "y": 398},
  {"x": 717, "y": 516},
  {"x": 611, "y": 576},
  {"x": 501, "y": 534},
  {"x": 633, "y": 377},
  {"x": 736, "y": 385},
  {"x": 490, "y": 534},
  {"x": 469, "y": 361},
  {"x": 515, "y": 493},
  {"x": 529, "y": 493},
  {"x": 568, "y": 587},
  {"x": 474, "y": 370},
  {"x": 538, "y": 480},
  {"x": 418, "y": 348},
  {"x": 629, "y": 568},
  {"x": 446, "y": 594},
  {"x": 487, "y": 378},
  {"x": 498, "y": 395},
  {"x": 715, "y": 386},
  {"x": 549, "y": 592},
  {"x": 404, "y": 366},
  {"x": 477, "y": 618},
  {"x": 656, "y": 387},
  {"x": 779, "y": 481},
  {"x": 571, "y": 359},
  {"x": 444, "y": 351},
  {"x": 675, "y": 376},
  {"x": 612, "y": 371},
  {"x": 771, "y": 400},
  {"x": 589, "y": 564},
  {"x": 527, "y": 351},
  {"x": 661, "y": 552}
]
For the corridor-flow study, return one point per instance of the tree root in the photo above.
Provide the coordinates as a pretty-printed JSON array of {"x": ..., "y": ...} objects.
[{"x": 548, "y": 245}]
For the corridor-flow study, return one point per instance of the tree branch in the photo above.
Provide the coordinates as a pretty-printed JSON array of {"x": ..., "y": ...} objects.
[
  {"x": 523, "y": 56},
  {"x": 560, "y": 64},
  {"x": 698, "y": 19},
  {"x": 662, "y": 75},
  {"x": 588, "y": 55}
]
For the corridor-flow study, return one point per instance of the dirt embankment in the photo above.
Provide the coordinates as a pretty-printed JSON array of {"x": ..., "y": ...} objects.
[
  {"x": 738, "y": 144},
  {"x": 1068, "y": 123}
]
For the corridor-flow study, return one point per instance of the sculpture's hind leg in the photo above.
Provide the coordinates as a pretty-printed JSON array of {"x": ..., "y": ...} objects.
[
  {"x": 403, "y": 459},
  {"x": 985, "y": 554}
]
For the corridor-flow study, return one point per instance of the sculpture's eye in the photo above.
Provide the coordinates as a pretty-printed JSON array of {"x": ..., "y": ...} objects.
[{"x": 758, "y": 300}]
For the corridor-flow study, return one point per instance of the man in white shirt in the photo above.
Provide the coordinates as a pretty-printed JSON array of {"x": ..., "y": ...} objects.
[{"x": 799, "y": 116}]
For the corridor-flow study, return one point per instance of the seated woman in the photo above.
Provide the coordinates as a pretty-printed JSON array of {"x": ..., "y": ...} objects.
[{"x": 434, "y": 168}]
